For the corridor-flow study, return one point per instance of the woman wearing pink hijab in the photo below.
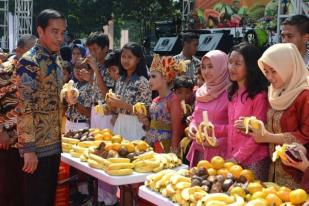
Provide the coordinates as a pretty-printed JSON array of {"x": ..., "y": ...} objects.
[{"x": 211, "y": 97}]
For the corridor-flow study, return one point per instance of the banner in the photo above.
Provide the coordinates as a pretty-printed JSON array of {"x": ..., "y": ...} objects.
[{"x": 234, "y": 13}]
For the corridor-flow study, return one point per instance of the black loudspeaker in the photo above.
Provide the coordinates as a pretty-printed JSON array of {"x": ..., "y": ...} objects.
[
  {"x": 168, "y": 46},
  {"x": 220, "y": 41}
]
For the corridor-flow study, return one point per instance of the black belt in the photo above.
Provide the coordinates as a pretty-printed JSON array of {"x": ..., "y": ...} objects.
[{"x": 77, "y": 120}]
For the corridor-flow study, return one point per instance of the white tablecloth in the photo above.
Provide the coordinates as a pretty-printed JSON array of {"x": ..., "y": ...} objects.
[
  {"x": 154, "y": 197},
  {"x": 101, "y": 175}
]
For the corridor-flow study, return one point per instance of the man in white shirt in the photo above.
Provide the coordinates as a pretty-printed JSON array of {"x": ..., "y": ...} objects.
[{"x": 190, "y": 43}]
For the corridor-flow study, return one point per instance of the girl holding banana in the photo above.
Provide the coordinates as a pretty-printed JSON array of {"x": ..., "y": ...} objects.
[
  {"x": 130, "y": 89},
  {"x": 211, "y": 97},
  {"x": 247, "y": 97},
  {"x": 288, "y": 116}
]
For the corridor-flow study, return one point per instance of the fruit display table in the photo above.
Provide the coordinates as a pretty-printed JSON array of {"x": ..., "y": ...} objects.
[
  {"x": 154, "y": 197},
  {"x": 102, "y": 176}
]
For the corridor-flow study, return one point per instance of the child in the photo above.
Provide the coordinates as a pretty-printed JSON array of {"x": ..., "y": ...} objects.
[
  {"x": 131, "y": 88},
  {"x": 105, "y": 121},
  {"x": 165, "y": 112},
  {"x": 247, "y": 97},
  {"x": 211, "y": 97},
  {"x": 78, "y": 111},
  {"x": 78, "y": 52},
  {"x": 112, "y": 62},
  {"x": 183, "y": 88}
]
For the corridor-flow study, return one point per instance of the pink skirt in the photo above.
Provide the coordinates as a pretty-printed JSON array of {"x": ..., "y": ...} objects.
[{"x": 197, "y": 152}]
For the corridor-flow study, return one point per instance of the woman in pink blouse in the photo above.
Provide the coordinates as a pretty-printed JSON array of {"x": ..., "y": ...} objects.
[
  {"x": 211, "y": 97},
  {"x": 247, "y": 97}
]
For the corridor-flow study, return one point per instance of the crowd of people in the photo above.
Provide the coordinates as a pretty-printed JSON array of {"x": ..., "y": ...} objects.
[{"x": 272, "y": 85}]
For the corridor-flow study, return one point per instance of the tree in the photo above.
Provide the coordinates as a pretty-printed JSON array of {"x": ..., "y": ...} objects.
[{"x": 83, "y": 16}]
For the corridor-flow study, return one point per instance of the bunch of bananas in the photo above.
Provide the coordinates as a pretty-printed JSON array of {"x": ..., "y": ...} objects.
[
  {"x": 252, "y": 122},
  {"x": 119, "y": 167},
  {"x": 139, "y": 108},
  {"x": 68, "y": 90},
  {"x": 153, "y": 162},
  {"x": 67, "y": 144}
]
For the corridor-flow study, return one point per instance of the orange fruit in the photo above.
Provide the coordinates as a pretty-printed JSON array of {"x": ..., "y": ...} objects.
[
  {"x": 142, "y": 146},
  {"x": 130, "y": 147},
  {"x": 107, "y": 136},
  {"x": 228, "y": 165},
  {"x": 107, "y": 130},
  {"x": 205, "y": 164},
  {"x": 254, "y": 187},
  {"x": 223, "y": 172},
  {"x": 236, "y": 170},
  {"x": 248, "y": 174},
  {"x": 273, "y": 200},
  {"x": 211, "y": 171},
  {"x": 238, "y": 191},
  {"x": 270, "y": 190},
  {"x": 284, "y": 195},
  {"x": 257, "y": 202},
  {"x": 108, "y": 147},
  {"x": 98, "y": 136},
  {"x": 258, "y": 194},
  {"x": 217, "y": 162},
  {"x": 116, "y": 139},
  {"x": 298, "y": 196},
  {"x": 116, "y": 146}
]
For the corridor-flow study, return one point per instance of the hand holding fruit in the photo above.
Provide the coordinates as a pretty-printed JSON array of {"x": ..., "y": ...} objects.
[
  {"x": 115, "y": 102},
  {"x": 192, "y": 132},
  {"x": 144, "y": 120},
  {"x": 302, "y": 165}
]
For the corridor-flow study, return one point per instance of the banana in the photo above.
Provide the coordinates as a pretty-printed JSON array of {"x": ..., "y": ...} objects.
[
  {"x": 159, "y": 168},
  {"x": 85, "y": 144},
  {"x": 100, "y": 160},
  {"x": 139, "y": 108},
  {"x": 66, "y": 150},
  {"x": 143, "y": 169},
  {"x": 149, "y": 163},
  {"x": 164, "y": 180},
  {"x": 119, "y": 160},
  {"x": 239, "y": 201},
  {"x": 117, "y": 166},
  {"x": 221, "y": 197},
  {"x": 183, "y": 185},
  {"x": 121, "y": 172},
  {"x": 178, "y": 178},
  {"x": 75, "y": 154},
  {"x": 170, "y": 191},
  {"x": 69, "y": 90},
  {"x": 101, "y": 109},
  {"x": 66, "y": 146},
  {"x": 78, "y": 149},
  {"x": 94, "y": 164},
  {"x": 254, "y": 123},
  {"x": 202, "y": 134},
  {"x": 183, "y": 172},
  {"x": 145, "y": 156},
  {"x": 157, "y": 176},
  {"x": 187, "y": 192},
  {"x": 69, "y": 140},
  {"x": 83, "y": 158},
  {"x": 110, "y": 94},
  {"x": 279, "y": 152}
]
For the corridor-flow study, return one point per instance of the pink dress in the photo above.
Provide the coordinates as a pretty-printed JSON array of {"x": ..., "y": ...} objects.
[
  {"x": 218, "y": 114},
  {"x": 240, "y": 146}
]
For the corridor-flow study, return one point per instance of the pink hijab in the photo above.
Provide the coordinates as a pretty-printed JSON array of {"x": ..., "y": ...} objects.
[{"x": 211, "y": 90}]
